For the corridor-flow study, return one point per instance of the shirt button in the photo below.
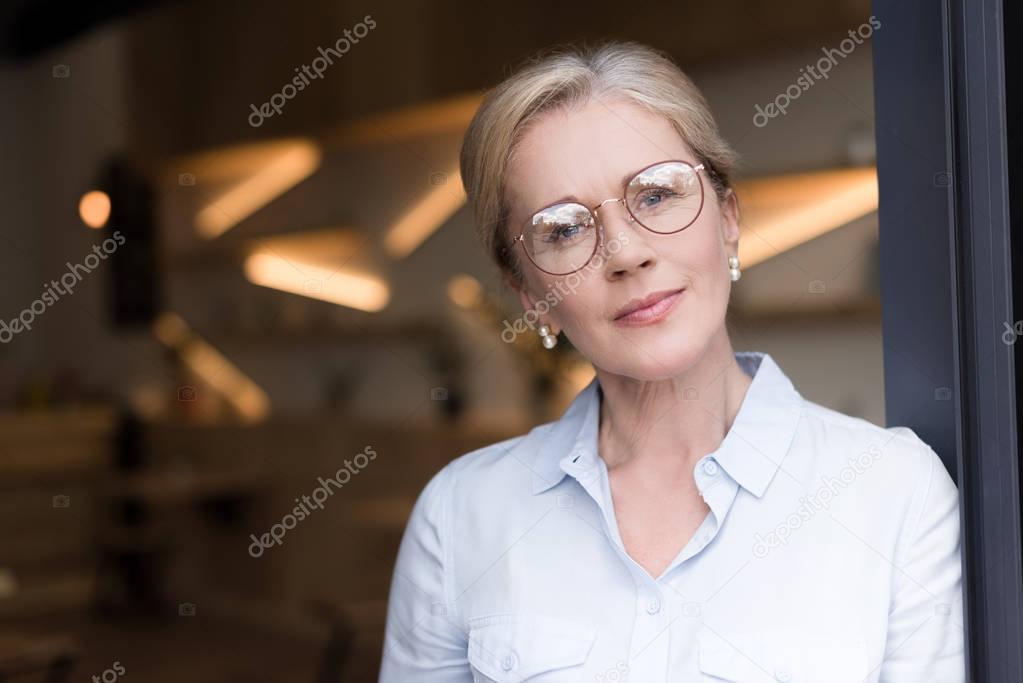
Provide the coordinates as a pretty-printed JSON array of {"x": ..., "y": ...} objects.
[
  {"x": 509, "y": 661},
  {"x": 654, "y": 606},
  {"x": 782, "y": 676},
  {"x": 710, "y": 468}
]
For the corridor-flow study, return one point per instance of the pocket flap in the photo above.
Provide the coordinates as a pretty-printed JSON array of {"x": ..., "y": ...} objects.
[
  {"x": 786, "y": 655},
  {"x": 515, "y": 647},
  {"x": 730, "y": 663}
]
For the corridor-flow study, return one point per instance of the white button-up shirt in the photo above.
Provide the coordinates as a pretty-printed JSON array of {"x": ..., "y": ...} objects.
[{"x": 830, "y": 555}]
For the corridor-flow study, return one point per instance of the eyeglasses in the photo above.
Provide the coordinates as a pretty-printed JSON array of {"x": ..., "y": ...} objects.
[{"x": 665, "y": 198}]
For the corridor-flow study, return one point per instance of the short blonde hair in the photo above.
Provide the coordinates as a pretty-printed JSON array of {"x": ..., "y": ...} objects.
[{"x": 565, "y": 76}]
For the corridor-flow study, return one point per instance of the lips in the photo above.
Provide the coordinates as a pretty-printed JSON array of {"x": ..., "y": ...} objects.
[{"x": 648, "y": 307}]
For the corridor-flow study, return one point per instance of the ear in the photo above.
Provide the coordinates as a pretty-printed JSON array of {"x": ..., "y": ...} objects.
[
  {"x": 529, "y": 303},
  {"x": 730, "y": 218}
]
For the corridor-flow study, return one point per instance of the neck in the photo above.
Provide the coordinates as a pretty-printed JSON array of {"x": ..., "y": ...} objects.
[{"x": 671, "y": 423}]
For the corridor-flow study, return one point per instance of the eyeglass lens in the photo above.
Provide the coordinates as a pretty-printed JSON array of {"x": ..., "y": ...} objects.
[{"x": 663, "y": 198}]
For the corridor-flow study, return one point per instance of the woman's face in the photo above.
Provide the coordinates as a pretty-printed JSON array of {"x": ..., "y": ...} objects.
[{"x": 585, "y": 153}]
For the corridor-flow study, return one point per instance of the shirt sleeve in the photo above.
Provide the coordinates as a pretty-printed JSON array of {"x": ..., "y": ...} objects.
[
  {"x": 423, "y": 642},
  {"x": 925, "y": 619}
]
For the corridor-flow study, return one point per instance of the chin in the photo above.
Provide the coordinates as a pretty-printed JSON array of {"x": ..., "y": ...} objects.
[{"x": 662, "y": 358}]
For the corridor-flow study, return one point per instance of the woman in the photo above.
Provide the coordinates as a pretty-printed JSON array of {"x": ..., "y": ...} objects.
[{"x": 690, "y": 516}]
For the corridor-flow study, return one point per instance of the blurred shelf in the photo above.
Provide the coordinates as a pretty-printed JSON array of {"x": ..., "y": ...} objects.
[
  {"x": 169, "y": 488},
  {"x": 58, "y": 423},
  {"x": 371, "y": 332},
  {"x": 72, "y": 592},
  {"x": 57, "y": 444}
]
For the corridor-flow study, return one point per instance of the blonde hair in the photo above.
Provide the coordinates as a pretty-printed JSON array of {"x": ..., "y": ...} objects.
[{"x": 566, "y": 76}]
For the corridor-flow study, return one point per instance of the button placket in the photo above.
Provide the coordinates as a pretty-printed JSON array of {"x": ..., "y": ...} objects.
[{"x": 651, "y": 637}]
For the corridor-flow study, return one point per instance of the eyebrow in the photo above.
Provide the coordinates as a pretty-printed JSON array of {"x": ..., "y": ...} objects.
[{"x": 572, "y": 198}]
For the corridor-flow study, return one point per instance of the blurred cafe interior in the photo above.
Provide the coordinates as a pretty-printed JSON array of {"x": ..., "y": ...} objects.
[{"x": 219, "y": 287}]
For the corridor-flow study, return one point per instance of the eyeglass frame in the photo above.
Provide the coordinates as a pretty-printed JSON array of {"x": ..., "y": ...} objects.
[{"x": 600, "y": 223}]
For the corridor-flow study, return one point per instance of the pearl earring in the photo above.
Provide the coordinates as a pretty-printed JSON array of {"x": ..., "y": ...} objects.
[
  {"x": 733, "y": 268},
  {"x": 548, "y": 339}
]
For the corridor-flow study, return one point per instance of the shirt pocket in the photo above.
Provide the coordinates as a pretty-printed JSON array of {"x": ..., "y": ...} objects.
[
  {"x": 513, "y": 648},
  {"x": 782, "y": 657}
]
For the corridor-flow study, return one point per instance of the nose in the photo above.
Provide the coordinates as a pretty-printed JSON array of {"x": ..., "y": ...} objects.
[{"x": 627, "y": 249}]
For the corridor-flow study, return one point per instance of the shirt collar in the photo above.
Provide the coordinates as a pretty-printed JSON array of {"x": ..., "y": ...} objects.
[{"x": 750, "y": 453}]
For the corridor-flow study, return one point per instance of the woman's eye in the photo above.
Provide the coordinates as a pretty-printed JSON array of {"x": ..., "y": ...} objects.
[
  {"x": 652, "y": 198},
  {"x": 563, "y": 232}
]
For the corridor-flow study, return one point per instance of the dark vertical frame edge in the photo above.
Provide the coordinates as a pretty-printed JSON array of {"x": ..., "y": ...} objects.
[{"x": 948, "y": 283}]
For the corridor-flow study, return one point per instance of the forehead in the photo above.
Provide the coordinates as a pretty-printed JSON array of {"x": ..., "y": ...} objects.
[{"x": 585, "y": 152}]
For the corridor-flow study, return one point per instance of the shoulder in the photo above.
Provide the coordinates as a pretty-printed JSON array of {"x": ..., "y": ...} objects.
[
  {"x": 901, "y": 444},
  {"x": 905, "y": 473},
  {"x": 494, "y": 473}
]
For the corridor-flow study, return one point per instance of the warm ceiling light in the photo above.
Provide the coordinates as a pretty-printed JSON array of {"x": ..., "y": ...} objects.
[
  {"x": 782, "y": 212},
  {"x": 465, "y": 291},
  {"x": 94, "y": 208},
  {"x": 283, "y": 170},
  {"x": 171, "y": 329},
  {"x": 244, "y": 395},
  {"x": 420, "y": 120},
  {"x": 428, "y": 214},
  {"x": 338, "y": 286}
]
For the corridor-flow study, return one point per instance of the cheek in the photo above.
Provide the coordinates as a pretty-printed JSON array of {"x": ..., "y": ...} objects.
[
  {"x": 703, "y": 255},
  {"x": 577, "y": 309}
]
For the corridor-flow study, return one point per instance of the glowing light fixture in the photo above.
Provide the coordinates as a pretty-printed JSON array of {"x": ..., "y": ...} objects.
[
  {"x": 288, "y": 165},
  {"x": 244, "y": 395},
  {"x": 465, "y": 291},
  {"x": 782, "y": 212},
  {"x": 433, "y": 118},
  {"x": 426, "y": 216},
  {"x": 94, "y": 208},
  {"x": 307, "y": 278}
]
